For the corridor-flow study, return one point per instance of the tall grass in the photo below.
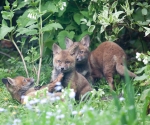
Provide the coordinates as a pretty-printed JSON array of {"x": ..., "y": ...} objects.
[{"x": 124, "y": 110}]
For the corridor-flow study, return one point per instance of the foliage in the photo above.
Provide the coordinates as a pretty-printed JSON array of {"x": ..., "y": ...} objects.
[
  {"x": 145, "y": 70},
  {"x": 41, "y": 23},
  {"x": 124, "y": 110}
]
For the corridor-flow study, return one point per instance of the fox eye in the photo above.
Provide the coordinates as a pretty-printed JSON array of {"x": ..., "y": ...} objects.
[
  {"x": 72, "y": 54},
  {"x": 59, "y": 61},
  {"x": 25, "y": 80},
  {"x": 81, "y": 52},
  {"x": 67, "y": 62}
]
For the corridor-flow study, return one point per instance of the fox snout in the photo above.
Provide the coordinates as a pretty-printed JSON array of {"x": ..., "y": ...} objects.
[
  {"x": 64, "y": 68},
  {"x": 80, "y": 58}
]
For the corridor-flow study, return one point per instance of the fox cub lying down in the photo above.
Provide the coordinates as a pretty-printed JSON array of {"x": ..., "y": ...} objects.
[
  {"x": 107, "y": 58},
  {"x": 21, "y": 86}
]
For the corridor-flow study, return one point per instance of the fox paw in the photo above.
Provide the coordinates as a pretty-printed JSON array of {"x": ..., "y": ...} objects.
[
  {"x": 60, "y": 76},
  {"x": 37, "y": 87}
]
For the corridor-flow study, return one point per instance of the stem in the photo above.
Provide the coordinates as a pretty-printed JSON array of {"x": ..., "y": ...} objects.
[
  {"x": 41, "y": 45},
  {"x": 11, "y": 38},
  {"x": 25, "y": 67},
  {"x": 5, "y": 54}
]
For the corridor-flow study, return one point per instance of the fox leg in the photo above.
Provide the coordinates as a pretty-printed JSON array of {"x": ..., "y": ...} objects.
[
  {"x": 53, "y": 84},
  {"x": 109, "y": 78}
]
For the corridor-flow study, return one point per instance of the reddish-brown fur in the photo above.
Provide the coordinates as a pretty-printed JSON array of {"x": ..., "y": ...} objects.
[
  {"x": 107, "y": 58},
  {"x": 64, "y": 62},
  {"x": 21, "y": 86}
]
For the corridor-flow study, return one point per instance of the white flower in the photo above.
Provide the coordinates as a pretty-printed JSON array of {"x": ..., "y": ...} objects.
[
  {"x": 16, "y": 122},
  {"x": 121, "y": 99},
  {"x": 52, "y": 99},
  {"x": 138, "y": 54},
  {"x": 139, "y": 59},
  {"x": 91, "y": 108},
  {"x": 60, "y": 116},
  {"x": 49, "y": 114},
  {"x": 2, "y": 109},
  {"x": 25, "y": 99},
  {"x": 72, "y": 93},
  {"x": 94, "y": 1},
  {"x": 34, "y": 101},
  {"x": 145, "y": 61},
  {"x": 43, "y": 101},
  {"x": 29, "y": 15},
  {"x": 32, "y": 16},
  {"x": 64, "y": 4},
  {"x": 74, "y": 112},
  {"x": 131, "y": 107},
  {"x": 62, "y": 8}
]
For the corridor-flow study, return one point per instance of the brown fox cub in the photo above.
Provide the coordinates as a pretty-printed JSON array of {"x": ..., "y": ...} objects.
[
  {"x": 82, "y": 63},
  {"x": 107, "y": 58},
  {"x": 21, "y": 86},
  {"x": 64, "y": 62}
]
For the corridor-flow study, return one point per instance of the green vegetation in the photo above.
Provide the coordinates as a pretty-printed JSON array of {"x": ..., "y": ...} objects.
[{"x": 32, "y": 26}]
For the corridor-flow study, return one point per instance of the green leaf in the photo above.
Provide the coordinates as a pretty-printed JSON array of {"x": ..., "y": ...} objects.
[
  {"x": 14, "y": 4},
  {"x": 91, "y": 28},
  {"x": 85, "y": 13},
  {"x": 141, "y": 70},
  {"x": 7, "y": 15},
  {"x": 52, "y": 26},
  {"x": 27, "y": 58},
  {"x": 145, "y": 93},
  {"x": 4, "y": 30},
  {"x": 94, "y": 16},
  {"x": 144, "y": 11},
  {"x": 50, "y": 7},
  {"x": 4, "y": 23},
  {"x": 114, "y": 4},
  {"x": 33, "y": 38},
  {"x": 26, "y": 31},
  {"x": 71, "y": 27},
  {"x": 61, "y": 37},
  {"x": 21, "y": 5},
  {"x": 147, "y": 31},
  {"x": 140, "y": 78},
  {"x": 30, "y": 22},
  {"x": 77, "y": 17},
  {"x": 78, "y": 38}
]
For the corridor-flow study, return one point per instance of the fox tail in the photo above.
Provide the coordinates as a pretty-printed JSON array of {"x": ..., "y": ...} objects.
[{"x": 121, "y": 69}]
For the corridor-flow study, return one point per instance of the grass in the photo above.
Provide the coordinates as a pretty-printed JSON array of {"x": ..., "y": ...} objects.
[{"x": 112, "y": 111}]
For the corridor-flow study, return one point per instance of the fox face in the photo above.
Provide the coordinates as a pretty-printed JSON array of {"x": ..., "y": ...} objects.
[
  {"x": 64, "y": 60},
  {"x": 18, "y": 84},
  {"x": 83, "y": 51}
]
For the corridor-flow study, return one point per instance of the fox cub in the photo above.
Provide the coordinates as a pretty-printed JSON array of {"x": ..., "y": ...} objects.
[
  {"x": 82, "y": 63},
  {"x": 21, "y": 86},
  {"x": 107, "y": 58},
  {"x": 64, "y": 62}
]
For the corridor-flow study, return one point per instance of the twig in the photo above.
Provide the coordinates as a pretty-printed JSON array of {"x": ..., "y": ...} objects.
[{"x": 5, "y": 54}]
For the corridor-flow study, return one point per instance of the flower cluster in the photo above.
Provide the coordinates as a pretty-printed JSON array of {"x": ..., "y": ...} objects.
[
  {"x": 141, "y": 56},
  {"x": 62, "y": 5},
  {"x": 68, "y": 92},
  {"x": 32, "y": 16}
]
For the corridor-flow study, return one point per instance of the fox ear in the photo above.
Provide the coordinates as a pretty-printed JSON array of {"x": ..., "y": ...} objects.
[
  {"x": 11, "y": 81},
  {"x": 68, "y": 42},
  {"x": 56, "y": 49},
  {"x": 85, "y": 41},
  {"x": 4, "y": 80},
  {"x": 74, "y": 50}
]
